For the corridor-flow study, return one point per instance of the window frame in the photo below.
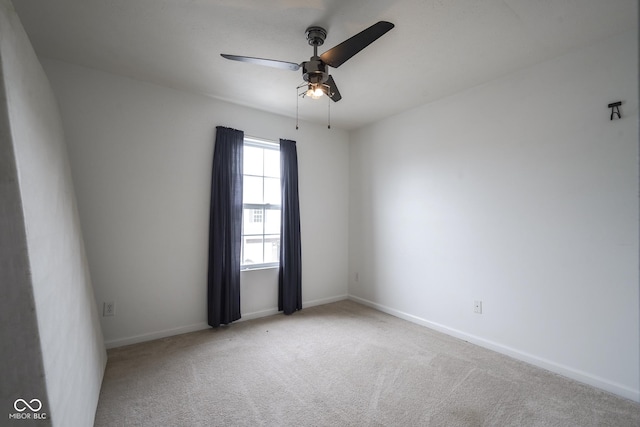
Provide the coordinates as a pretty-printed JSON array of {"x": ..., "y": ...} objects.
[{"x": 266, "y": 145}]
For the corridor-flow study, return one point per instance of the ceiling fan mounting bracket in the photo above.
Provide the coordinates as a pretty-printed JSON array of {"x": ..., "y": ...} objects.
[{"x": 316, "y": 36}]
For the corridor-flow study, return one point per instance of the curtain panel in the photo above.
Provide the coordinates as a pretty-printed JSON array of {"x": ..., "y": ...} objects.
[
  {"x": 225, "y": 228},
  {"x": 290, "y": 273}
]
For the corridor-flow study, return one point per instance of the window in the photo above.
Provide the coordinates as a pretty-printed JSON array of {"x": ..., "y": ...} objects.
[{"x": 261, "y": 204}]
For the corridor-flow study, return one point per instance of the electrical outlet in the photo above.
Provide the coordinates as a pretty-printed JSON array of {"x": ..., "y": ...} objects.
[
  {"x": 108, "y": 309},
  {"x": 477, "y": 307}
]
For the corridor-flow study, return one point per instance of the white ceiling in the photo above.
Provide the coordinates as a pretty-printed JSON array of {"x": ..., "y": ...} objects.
[{"x": 437, "y": 48}]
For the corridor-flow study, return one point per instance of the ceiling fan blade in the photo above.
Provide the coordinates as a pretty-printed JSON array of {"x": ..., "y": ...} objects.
[
  {"x": 333, "y": 91},
  {"x": 266, "y": 62},
  {"x": 339, "y": 54}
]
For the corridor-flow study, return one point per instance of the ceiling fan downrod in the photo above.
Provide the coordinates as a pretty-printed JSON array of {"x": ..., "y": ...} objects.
[{"x": 314, "y": 70}]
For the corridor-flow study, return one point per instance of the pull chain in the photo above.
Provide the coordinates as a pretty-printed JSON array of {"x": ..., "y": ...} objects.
[{"x": 329, "y": 113}]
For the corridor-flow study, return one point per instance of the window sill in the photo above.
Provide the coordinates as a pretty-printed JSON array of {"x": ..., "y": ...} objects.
[{"x": 266, "y": 267}]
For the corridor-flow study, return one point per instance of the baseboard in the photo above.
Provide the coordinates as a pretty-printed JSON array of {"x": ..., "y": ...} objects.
[
  {"x": 200, "y": 326},
  {"x": 312, "y": 303},
  {"x": 258, "y": 314},
  {"x": 549, "y": 365},
  {"x": 323, "y": 301},
  {"x": 155, "y": 335}
]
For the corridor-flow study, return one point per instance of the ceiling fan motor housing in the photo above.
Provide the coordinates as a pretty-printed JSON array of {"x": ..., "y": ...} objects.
[{"x": 314, "y": 71}]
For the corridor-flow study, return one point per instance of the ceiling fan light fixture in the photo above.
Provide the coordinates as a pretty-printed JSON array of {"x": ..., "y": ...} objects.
[{"x": 314, "y": 91}]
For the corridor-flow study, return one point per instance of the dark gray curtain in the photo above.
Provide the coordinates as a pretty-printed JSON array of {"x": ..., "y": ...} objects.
[
  {"x": 225, "y": 228},
  {"x": 290, "y": 274}
]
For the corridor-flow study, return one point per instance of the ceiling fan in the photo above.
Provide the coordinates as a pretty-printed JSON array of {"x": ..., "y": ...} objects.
[{"x": 315, "y": 71}]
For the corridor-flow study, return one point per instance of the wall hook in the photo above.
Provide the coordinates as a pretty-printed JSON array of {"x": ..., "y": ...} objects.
[{"x": 615, "y": 109}]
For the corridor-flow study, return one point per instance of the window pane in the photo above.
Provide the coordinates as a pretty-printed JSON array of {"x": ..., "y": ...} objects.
[
  {"x": 261, "y": 198},
  {"x": 253, "y": 161},
  {"x": 272, "y": 191},
  {"x": 252, "y": 249},
  {"x": 272, "y": 163},
  {"x": 272, "y": 221},
  {"x": 271, "y": 248},
  {"x": 252, "y": 221},
  {"x": 252, "y": 189}
]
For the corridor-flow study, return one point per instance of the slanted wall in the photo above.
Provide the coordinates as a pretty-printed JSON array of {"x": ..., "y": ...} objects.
[
  {"x": 52, "y": 345},
  {"x": 20, "y": 355}
]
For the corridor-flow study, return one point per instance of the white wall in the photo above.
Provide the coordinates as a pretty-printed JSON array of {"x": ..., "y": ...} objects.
[
  {"x": 520, "y": 193},
  {"x": 141, "y": 156},
  {"x": 71, "y": 345}
]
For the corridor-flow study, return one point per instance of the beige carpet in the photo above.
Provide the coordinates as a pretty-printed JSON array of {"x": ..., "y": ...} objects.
[{"x": 340, "y": 364}]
